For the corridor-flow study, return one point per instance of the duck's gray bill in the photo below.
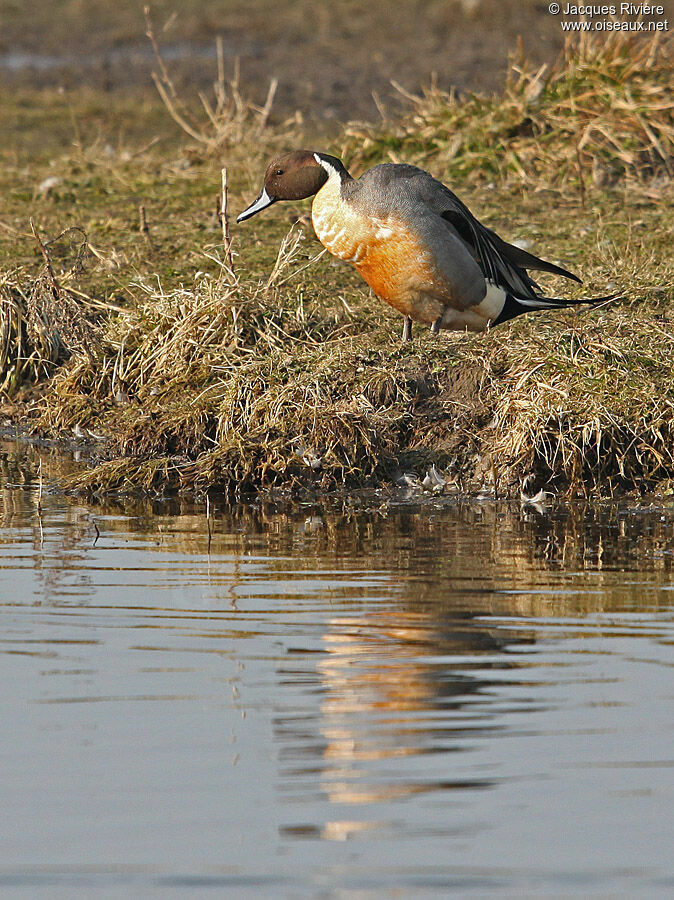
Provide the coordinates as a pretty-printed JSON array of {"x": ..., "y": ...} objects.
[{"x": 262, "y": 202}]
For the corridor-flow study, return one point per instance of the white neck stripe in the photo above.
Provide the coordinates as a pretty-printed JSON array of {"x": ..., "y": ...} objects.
[{"x": 326, "y": 165}]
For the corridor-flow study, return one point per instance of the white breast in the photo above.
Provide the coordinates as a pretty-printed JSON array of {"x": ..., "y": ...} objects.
[{"x": 340, "y": 229}]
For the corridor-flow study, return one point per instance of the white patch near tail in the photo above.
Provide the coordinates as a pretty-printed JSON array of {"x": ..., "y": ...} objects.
[
  {"x": 478, "y": 317},
  {"x": 494, "y": 300}
]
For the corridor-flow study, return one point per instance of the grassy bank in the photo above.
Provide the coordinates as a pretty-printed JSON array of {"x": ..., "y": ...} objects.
[{"x": 140, "y": 343}]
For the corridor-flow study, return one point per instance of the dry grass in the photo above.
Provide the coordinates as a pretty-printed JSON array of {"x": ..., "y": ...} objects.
[
  {"x": 205, "y": 388},
  {"x": 242, "y": 384},
  {"x": 226, "y": 117},
  {"x": 239, "y": 383},
  {"x": 599, "y": 411},
  {"x": 44, "y": 319},
  {"x": 604, "y": 112}
]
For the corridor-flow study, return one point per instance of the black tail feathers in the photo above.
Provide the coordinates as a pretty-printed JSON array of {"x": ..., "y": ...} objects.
[{"x": 516, "y": 306}]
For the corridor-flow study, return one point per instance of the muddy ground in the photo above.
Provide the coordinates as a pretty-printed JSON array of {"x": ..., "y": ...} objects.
[{"x": 329, "y": 58}]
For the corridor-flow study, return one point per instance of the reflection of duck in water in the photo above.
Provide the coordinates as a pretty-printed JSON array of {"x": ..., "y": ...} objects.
[{"x": 396, "y": 684}]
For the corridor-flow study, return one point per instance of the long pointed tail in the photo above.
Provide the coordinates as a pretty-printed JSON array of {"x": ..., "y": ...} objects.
[{"x": 516, "y": 306}]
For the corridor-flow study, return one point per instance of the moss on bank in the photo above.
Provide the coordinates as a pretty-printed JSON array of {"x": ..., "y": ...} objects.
[{"x": 286, "y": 372}]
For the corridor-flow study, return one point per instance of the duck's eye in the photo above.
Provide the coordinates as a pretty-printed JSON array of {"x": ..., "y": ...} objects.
[{"x": 278, "y": 172}]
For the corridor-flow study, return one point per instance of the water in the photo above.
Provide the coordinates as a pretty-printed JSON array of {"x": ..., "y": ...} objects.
[
  {"x": 128, "y": 55},
  {"x": 348, "y": 700}
]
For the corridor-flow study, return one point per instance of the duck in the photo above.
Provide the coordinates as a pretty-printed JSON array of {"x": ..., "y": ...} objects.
[{"x": 414, "y": 242}]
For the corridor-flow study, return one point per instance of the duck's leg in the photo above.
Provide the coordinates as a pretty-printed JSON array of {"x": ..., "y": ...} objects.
[
  {"x": 435, "y": 327},
  {"x": 407, "y": 330}
]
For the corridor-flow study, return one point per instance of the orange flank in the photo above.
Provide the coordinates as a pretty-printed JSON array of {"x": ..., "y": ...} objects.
[
  {"x": 385, "y": 252},
  {"x": 398, "y": 271}
]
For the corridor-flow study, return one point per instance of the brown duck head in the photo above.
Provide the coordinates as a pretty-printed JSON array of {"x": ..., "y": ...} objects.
[{"x": 293, "y": 176}]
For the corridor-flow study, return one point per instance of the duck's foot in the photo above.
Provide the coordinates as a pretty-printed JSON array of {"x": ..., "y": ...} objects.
[
  {"x": 407, "y": 330},
  {"x": 435, "y": 327}
]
